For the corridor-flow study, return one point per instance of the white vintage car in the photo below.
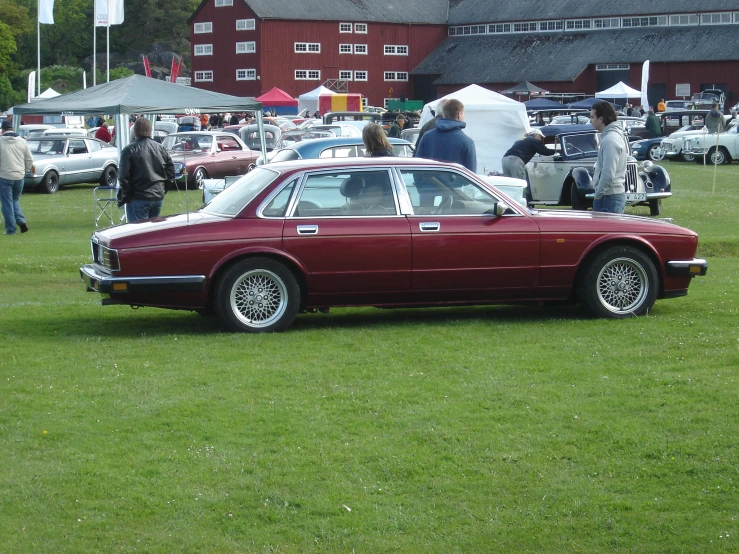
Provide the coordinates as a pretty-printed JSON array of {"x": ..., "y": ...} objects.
[
  {"x": 712, "y": 148},
  {"x": 565, "y": 179},
  {"x": 673, "y": 146}
]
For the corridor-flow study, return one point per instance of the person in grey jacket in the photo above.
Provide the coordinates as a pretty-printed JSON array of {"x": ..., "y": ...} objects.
[
  {"x": 15, "y": 162},
  {"x": 146, "y": 168},
  {"x": 715, "y": 120},
  {"x": 609, "y": 173}
]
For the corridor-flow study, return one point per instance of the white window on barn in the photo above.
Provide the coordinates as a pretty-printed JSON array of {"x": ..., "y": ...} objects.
[
  {"x": 360, "y": 28},
  {"x": 360, "y": 49},
  {"x": 246, "y": 24},
  {"x": 246, "y": 74},
  {"x": 345, "y": 49},
  {"x": 345, "y": 27},
  {"x": 360, "y": 76},
  {"x": 203, "y": 76},
  {"x": 396, "y": 76},
  {"x": 205, "y": 27},
  {"x": 345, "y": 75},
  {"x": 203, "y": 50},
  {"x": 396, "y": 50},
  {"x": 223, "y": 3},
  {"x": 314, "y": 74},
  {"x": 246, "y": 47},
  {"x": 308, "y": 47}
]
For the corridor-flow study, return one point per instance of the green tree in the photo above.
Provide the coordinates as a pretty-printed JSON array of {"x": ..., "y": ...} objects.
[{"x": 7, "y": 49}]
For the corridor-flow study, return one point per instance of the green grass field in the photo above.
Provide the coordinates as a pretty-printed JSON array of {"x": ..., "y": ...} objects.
[{"x": 486, "y": 429}]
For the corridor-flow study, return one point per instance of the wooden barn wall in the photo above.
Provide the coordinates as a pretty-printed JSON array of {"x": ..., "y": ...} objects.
[{"x": 224, "y": 62}]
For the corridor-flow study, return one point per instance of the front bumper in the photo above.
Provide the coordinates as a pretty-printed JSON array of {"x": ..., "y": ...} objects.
[
  {"x": 687, "y": 268},
  {"x": 30, "y": 180},
  {"x": 637, "y": 197},
  {"x": 109, "y": 284}
]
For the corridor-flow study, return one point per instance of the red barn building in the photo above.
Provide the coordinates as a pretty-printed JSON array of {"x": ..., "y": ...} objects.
[{"x": 424, "y": 49}]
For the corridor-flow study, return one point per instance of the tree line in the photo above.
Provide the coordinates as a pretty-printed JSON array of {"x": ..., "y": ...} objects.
[{"x": 69, "y": 41}]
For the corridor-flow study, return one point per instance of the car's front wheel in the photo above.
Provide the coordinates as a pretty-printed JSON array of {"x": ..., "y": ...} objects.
[
  {"x": 620, "y": 282},
  {"x": 656, "y": 153},
  {"x": 576, "y": 199},
  {"x": 655, "y": 207},
  {"x": 688, "y": 157},
  {"x": 718, "y": 156},
  {"x": 50, "y": 182},
  {"x": 198, "y": 176},
  {"x": 258, "y": 295}
]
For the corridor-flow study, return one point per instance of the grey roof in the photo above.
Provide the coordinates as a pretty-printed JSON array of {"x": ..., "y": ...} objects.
[
  {"x": 140, "y": 95},
  {"x": 562, "y": 57},
  {"x": 487, "y": 11},
  {"x": 377, "y": 11}
]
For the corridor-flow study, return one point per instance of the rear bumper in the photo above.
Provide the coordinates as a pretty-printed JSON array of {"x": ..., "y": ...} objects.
[
  {"x": 108, "y": 284},
  {"x": 687, "y": 268}
]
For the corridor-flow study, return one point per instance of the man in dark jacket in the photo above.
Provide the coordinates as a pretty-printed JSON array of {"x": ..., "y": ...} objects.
[
  {"x": 145, "y": 170},
  {"x": 397, "y": 126},
  {"x": 652, "y": 125},
  {"x": 515, "y": 160},
  {"x": 447, "y": 142},
  {"x": 431, "y": 124}
]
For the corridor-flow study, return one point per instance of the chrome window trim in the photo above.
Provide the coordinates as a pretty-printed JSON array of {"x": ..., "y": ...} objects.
[{"x": 271, "y": 196}]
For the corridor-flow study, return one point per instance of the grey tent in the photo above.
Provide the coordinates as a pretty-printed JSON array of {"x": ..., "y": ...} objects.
[{"x": 139, "y": 95}]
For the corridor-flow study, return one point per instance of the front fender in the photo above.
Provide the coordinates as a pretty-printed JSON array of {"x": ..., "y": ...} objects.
[
  {"x": 659, "y": 178},
  {"x": 583, "y": 179}
]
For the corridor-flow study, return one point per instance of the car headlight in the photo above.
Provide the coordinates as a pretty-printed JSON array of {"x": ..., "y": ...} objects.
[{"x": 179, "y": 167}]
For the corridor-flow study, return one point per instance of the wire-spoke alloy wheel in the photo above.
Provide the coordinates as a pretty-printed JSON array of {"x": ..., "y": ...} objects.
[
  {"x": 258, "y": 295},
  {"x": 620, "y": 282}
]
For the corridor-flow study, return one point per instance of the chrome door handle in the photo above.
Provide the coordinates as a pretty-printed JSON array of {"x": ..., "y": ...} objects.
[
  {"x": 307, "y": 229},
  {"x": 429, "y": 226}
]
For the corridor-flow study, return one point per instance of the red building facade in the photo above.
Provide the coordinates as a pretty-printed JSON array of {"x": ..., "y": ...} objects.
[{"x": 234, "y": 52}]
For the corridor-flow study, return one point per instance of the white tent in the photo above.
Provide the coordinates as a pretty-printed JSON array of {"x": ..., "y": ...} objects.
[
  {"x": 619, "y": 90},
  {"x": 309, "y": 100},
  {"x": 49, "y": 93},
  {"x": 494, "y": 122}
]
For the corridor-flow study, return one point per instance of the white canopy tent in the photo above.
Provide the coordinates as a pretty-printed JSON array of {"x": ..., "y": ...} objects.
[
  {"x": 494, "y": 122},
  {"x": 309, "y": 100},
  {"x": 619, "y": 90}
]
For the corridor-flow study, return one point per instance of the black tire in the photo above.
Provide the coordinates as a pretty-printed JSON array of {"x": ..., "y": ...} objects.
[
  {"x": 198, "y": 175},
  {"x": 688, "y": 157},
  {"x": 717, "y": 156},
  {"x": 257, "y": 295},
  {"x": 575, "y": 199},
  {"x": 620, "y": 282},
  {"x": 109, "y": 178},
  {"x": 655, "y": 153},
  {"x": 50, "y": 182},
  {"x": 655, "y": 207}
]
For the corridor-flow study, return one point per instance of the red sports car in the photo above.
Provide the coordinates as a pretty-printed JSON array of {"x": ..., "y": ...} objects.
[{"x": 307, "y": 235}]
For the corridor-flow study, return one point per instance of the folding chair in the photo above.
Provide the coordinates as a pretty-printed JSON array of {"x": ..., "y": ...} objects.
[{"x": 105, "y": 203}]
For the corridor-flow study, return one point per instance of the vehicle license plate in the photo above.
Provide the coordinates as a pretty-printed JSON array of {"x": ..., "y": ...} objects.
[{"x": 636, "y": 197}]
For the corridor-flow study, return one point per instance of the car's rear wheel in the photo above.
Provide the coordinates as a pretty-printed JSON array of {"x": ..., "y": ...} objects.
[
  {"x": 258, "y": 295},
  {"x": 109, "y": 177},
  {"x": 655, "y": 207},
  {"x": 198, "y": 176},
  {"x": 656, "y": 153},
  {"x": 50, "y": 182},
  {"x": 620, "y": 282},
  {"x": 576, "y": 198}
]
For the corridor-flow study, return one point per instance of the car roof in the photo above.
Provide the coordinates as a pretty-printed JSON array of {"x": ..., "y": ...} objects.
[
  {"x": 341, "y": 163},
  {"x": 321, "y": 143}
]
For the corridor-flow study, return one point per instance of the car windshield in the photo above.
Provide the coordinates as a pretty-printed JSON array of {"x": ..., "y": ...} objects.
[
  {"x": 46, "y": 146},
  {"x": 189, "y": 142},
  {"x": 235, "y": 198},
  {"x": 586, "y": 143}
]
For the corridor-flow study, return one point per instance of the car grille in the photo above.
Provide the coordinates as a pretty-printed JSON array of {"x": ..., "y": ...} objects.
[
  {"x": 104, "y": 256},
  {"x": 632, "y": 177}
]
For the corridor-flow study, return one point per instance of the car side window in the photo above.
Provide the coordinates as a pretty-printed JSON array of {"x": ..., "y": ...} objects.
[
  {"x": 77, "y": 147},
  {"x": 446, "y": 193},
  {"x": 339, "y": 152},
  {"x": 278, "y": 205},
  {"x": 228, "y": 143},
  {"x": 93, "y": 145},
  {"x": 345, "y": 194}
]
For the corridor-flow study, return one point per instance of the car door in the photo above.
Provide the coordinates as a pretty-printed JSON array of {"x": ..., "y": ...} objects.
[
  {"x": 233, "y": 158},
  {"x": 461, "y": 249},
  {"x": 78, "y": 162},
  {"x": 354, "y": 248}
]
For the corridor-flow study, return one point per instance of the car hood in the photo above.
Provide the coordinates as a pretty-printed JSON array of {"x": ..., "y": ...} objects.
[
  {"x": 155, "y": 230},
  {"x": 573, "y": 220}
]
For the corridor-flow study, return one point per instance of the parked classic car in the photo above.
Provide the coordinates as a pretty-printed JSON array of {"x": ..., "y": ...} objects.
[
  {"x": 65, "y": 160},
  {"x": 335, "y": 147},
  {"x": 33, "y": 129},
  {"x": 304, "y": 236},
  {"x": 651, "y": 148},
  {"x": 249, "y": 134},
  {"x": 565, "y": 179},
  {"x": 672, "y": 146},
  {"x": 199, "y": 155},
  {"x": 712, "y": 148}
]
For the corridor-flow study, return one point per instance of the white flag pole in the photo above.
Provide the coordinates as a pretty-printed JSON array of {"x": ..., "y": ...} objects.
[
  {"x": 107, "y": 25},
  {"x": 38, "y": 51},
  {"x": 94, "y": 48}
]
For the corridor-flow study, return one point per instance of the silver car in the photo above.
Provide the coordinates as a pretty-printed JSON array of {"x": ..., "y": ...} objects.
[{"x": 64, "y": 160}]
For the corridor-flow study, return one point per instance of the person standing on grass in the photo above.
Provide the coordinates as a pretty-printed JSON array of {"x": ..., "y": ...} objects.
[
  {"x": 609, "y": 173},
  {"x": 146, "y": 168},
  {"x": 15, "y": 162}
]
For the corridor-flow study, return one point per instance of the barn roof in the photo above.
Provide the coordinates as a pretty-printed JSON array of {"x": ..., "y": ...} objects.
[
  {"x": 485, "y": 11},
  {"x": 562, "y": 57}
]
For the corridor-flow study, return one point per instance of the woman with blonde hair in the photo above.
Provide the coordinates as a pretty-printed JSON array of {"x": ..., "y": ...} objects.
[{"x": 375, "y": 141}]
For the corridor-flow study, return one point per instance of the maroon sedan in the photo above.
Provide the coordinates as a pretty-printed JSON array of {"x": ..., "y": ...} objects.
[
  {"x": 305, "y": 235},
  {"x": 199, "y": 155}
]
